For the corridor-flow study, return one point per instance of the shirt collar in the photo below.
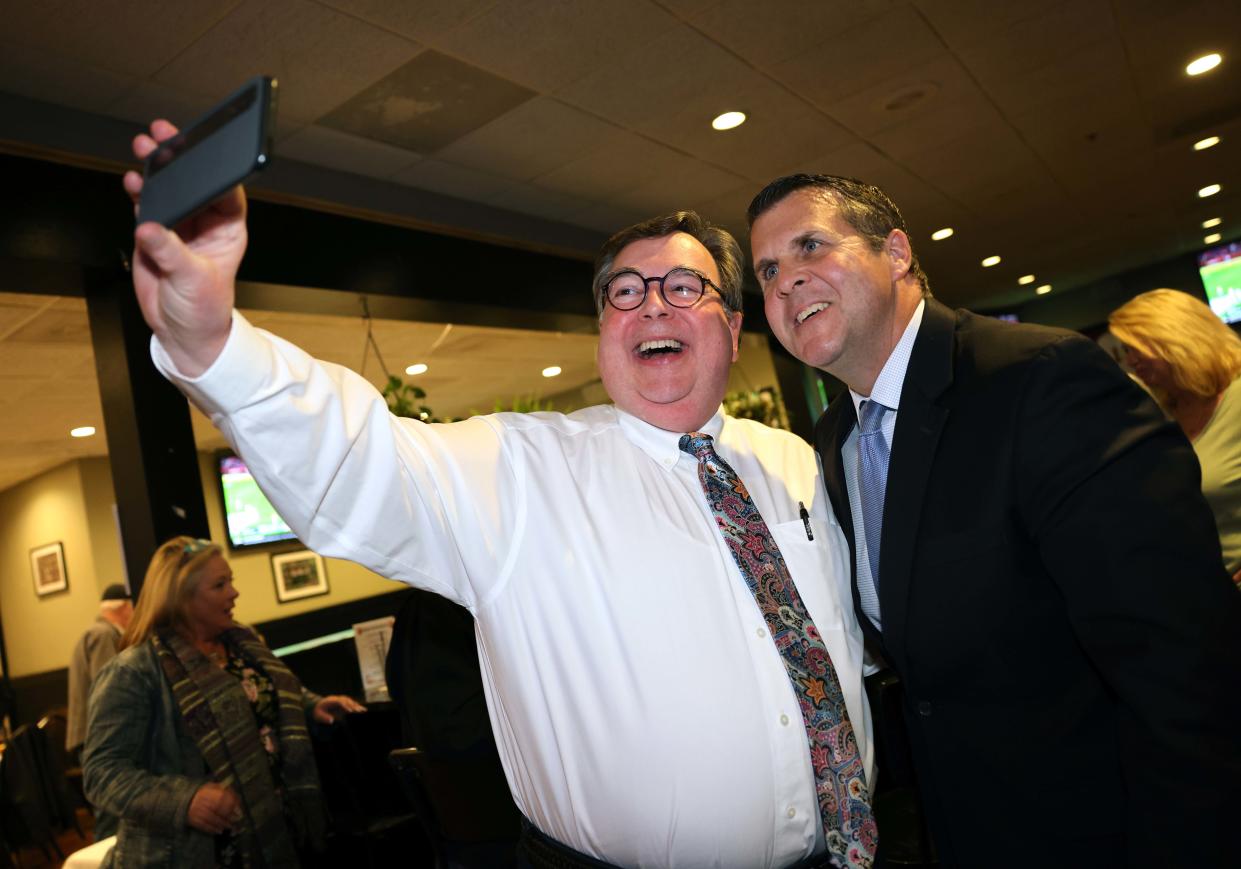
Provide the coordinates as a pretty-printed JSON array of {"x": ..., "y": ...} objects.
[
  {"x": 887, "y": 388},
  {"x": 661, "y": 445}
]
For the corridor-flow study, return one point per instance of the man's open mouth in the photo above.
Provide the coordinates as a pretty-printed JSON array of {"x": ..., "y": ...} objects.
[
  {"x": 811, "y": 311},
  {"x": 651, "y": 349}
]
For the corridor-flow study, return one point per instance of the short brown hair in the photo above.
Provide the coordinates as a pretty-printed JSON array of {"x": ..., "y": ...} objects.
[
  {"x": 865, "y": 207},
  {"x": 1204, "y": 355},
  {"x": 718, "y": 242}
]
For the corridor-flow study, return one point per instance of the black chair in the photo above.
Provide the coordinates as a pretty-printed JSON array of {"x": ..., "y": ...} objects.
[
  {"x": 66, "y": 776},
  {"x": 464, "y": 805},
  {"x": 27, "y": 816},
  {"x": 367, "y": 810},
  {"x": 452, "y": 773}
]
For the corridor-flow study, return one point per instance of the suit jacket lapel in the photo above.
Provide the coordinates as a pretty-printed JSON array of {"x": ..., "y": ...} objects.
[{"x": 919, "y": 422}]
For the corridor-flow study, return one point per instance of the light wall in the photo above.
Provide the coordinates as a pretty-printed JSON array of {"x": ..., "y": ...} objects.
[
  {"x": 73, "y": 503},
  {"x": 39, "y": 632}
]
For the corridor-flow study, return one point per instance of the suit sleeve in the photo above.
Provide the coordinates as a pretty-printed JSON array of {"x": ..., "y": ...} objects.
[{"x": 1111, "y": 494}]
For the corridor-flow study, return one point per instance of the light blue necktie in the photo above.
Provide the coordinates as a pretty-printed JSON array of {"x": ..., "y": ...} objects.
[{"x": 872, "y": 452}]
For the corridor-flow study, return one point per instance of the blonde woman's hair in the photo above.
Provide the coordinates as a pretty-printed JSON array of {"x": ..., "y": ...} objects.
[
  {"x": 171, "y": 580},
  {"x": 1203, "y": 353}
]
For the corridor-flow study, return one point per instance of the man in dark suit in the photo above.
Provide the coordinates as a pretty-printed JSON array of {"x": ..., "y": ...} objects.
[{"x": 1032, "y": 555}]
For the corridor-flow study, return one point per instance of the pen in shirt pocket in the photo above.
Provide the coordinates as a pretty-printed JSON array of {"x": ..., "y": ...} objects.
[{"x": 805, "y": 519}]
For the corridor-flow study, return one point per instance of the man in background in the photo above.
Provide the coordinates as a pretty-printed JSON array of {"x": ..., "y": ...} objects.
[
  {"x": 96, "y": 647},
  {"x": 1032, "y": 555}
]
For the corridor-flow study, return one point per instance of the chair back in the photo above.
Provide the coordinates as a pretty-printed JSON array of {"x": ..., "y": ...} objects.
[
  {"x": 27, "y": 813},
  {"x": 464, "y": 805}
]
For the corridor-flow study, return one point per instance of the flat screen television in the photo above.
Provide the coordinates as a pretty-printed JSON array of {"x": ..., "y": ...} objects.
[
  {"x": 250, "y": 518},
  {"x": 1220, "y": 268}
]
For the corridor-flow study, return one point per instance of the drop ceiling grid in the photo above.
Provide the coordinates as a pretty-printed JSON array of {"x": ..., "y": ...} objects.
[{"x": 321, "y": 57}]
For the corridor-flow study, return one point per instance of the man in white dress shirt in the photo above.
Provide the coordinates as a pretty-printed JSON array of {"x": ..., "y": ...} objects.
[{"x": 643, "y": 714}]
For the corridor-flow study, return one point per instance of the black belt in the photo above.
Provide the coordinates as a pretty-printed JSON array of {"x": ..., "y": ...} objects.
[{"x": 537, "y": 850}]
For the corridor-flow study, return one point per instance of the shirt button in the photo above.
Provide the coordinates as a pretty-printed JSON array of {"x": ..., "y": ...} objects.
[
  {"x": 761, "y": 633},
  {"x": 784, "y": 719},
  {"x": 925, "y": 708},
  {"x": 792, "y": 813}
]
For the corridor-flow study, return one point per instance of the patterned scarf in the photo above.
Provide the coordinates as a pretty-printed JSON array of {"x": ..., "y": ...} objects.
[{"x": 218, "y": 718}]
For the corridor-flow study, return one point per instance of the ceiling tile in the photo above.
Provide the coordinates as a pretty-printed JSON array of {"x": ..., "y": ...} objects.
[
  {"x": 320, "y": 56},
  {"x": 533, "y": 138},
  {"x": 147, "y": 101},
  {"x": 451, "y": 180},
  {"x": 983, "y": 161},
  {"x": 427, "y": 103},
  {"x": 532, "y": 199},
  {"x": 607, "y": 217},
  {"x": 767, "y": 33},
  {"x": 547, "y": 44},
  {"x": 43, "y": 74},
  {"x": 630, "y": 89},
  {"x": 424, "y": 21},
  {"x": 780, "y": 128},
  {"x": 687, "y": 181},
  {"x": 966, "y": 23},
  {"x": 153, "y": 32},
  {"x": 921, "y": 107},
  {"x": 622, "y": 163},
  {"x": 348, "y": 153},
  {"x": 861, "y": 58}
]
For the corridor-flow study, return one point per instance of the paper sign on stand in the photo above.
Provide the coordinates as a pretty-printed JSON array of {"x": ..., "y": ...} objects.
[{"x": 372, "y": 639}]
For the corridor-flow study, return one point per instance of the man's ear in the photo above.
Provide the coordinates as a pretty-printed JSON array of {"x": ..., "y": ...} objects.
[
  {"x": 900, "y": 253},
  {"x": 734, "y": 326}
]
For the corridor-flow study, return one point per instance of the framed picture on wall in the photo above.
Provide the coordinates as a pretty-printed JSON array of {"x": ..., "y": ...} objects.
[
  {"x": 47, "y": 566},
  {"x": 298, "y": 575}
]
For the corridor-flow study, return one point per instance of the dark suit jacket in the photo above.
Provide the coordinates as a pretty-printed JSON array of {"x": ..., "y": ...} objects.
[{"x": 1054, "y": 601}]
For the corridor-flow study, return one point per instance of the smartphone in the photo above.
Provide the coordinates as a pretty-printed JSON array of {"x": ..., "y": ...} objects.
[{"x": 218, "y": 151}]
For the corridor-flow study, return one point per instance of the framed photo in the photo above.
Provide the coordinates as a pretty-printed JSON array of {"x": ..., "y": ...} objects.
[
  {"x": 298, "y": 575},
  {"x": 47, "y": 566}
]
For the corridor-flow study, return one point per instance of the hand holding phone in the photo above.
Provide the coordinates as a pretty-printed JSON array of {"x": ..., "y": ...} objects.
[
  {"x": 184, "y": 280},
  {"x": 193, "y": 168}
]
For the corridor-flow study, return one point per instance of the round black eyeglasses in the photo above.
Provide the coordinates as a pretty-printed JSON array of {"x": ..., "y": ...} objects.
[{"x": 680, "y": 288}]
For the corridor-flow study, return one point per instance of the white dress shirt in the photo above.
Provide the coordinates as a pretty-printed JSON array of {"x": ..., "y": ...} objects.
[
  {"x": 886, "y": 391},
  {"x": 642, "y": 712}
]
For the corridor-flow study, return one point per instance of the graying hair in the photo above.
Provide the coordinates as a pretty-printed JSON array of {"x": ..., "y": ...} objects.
[{"x": 718, "y": 242}]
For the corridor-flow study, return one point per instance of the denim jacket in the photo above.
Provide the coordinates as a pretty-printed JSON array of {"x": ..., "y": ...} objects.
[{"x": 140, "y": 765}]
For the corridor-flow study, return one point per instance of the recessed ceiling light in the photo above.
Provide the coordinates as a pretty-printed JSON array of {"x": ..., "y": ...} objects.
[
  {"x": 1209, "y": 190},
  {"x": 1212, "y": 238},
  {"x": 1214, "y": 221},
  {"x": 551, "y": 371},
  {"x": 1043, "y": 290},
  {"x": 990, "y": 261},
  {"x": 1203, "y": 64},
  {"x": 416, "y": 368},
  {"x": 941, "y": 234},
  {"x": 82, "y": 431},
  {"x": 1025, "y": 279},
  {"x": 1208, "y": 142},
  {"x": 728, "y": 120}
]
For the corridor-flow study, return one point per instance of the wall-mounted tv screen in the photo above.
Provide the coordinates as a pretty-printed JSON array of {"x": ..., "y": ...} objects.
[
  {"x": 1220, "y": 268},
  {"x": 249, "y": 516}
]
